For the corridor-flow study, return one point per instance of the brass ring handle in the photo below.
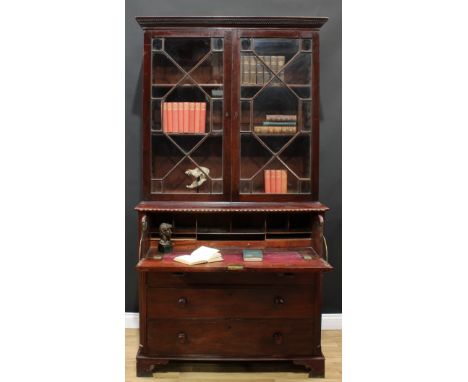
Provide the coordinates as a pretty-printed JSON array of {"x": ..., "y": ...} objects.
[{"x": 326, "y": 247}]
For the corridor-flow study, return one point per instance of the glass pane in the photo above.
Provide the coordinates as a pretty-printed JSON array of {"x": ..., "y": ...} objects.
[
  {"x": 275, "y": 120},
  {"x": 187, "y": 115},
  {"x": 187, "y": 52},
  {"x": 157, "y": 43}
]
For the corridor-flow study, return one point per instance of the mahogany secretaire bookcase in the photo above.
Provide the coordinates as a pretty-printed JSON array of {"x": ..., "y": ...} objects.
[{"x": 230, "y": 159}]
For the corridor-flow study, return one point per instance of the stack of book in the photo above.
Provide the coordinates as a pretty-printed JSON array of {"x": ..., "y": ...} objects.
[
  {"x": 183, "y": 117},
  {"x": 277, "y": 124},
  {"x": 253, "y": 71},
  {"x": 276, "y": 182}
]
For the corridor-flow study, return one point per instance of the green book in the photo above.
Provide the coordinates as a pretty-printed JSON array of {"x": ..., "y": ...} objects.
[{"x": 252, "y": 254}]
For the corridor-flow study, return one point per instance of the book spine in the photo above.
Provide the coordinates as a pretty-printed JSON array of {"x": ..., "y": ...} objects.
[
  {"x": 169, "y": 118},
  {"x": 273, "y": 181},
  {"x": 163, "y": 117},
  {"x": 274, "y": 64},
  {"x": 242, "y": 69},
  {"x": 278, "y": 181},
  {"x": 181, "y": 116},
  {"x": 246, "y": 70},
  {"x": 259, "y": 72},
  {"x": 281, "y": 118},
  {"x": 267, "y": 74},
  {"x": 203, "y": 117},
  {"x": 175, "y": 116},
  {"x": 186, "y": 118},
  {"x": 252, "y": 70},
  {"x": 197, "y": 117},
  {"x": 281, "y": 60},
  {"x": 192, "y": 117},
  {"x": 267, "y": 182},
  {"x": 284, "y": 182},
  {"x": 279, "y": 123}
]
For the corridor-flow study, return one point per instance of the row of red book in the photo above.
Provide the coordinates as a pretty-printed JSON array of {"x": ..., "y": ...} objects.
[
  {"x": 183, "y": 117},
  {"x": 276, "y": 182}
]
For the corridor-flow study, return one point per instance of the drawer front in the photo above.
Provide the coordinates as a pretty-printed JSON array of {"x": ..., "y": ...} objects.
[
  {"x": 271, "y": 302},
  {"x": 165, "y": 279},
  {"x": 231, "y": 338}
]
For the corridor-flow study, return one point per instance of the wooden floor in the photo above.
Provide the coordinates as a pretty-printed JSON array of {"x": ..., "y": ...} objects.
[{"x": 331, "y": 347}]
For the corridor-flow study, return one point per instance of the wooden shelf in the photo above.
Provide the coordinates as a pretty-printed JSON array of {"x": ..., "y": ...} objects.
[{"x": 274, "y": 260}]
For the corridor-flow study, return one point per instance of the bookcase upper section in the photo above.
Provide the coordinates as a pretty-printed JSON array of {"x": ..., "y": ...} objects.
[
  {"x": 149, "y": 22},
  {"x": 230, "y": 108}
]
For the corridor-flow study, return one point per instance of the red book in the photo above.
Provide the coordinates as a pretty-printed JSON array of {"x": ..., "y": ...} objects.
[
  {"x": 197, "y": 117},
  {"x": 284, "y": 182},
  {"x": 267, "y": 182},
  {"x": 175, "y": 117},
  {"x": 181, "y": 116},
  {"x": 203, "y": 117},
  {"x": 278, "y": 181},
  {"x": 186, "y": 117},
  {"x": 191, "y": 117},
  {"x": 169, "y": 127},
  {"x": 163, "y": 116},
  {"x": 273, "y": 181}
]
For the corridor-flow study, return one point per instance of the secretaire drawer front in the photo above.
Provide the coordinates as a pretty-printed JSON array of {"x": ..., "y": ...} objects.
[
  {"x": 231, "y": 338},
  {"x": 291, "y": 302},
  {"x": 164, "y": 279}
]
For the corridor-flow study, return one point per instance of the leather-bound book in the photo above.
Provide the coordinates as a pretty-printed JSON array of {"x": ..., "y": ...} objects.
[
  {"x": 253, "y": 70},
  {"x": 186, "y": 117},
  {"x": 191, "y": 128},
  {"x": 278, "y": 182},
  {"x": 245, "y": 70},
  {"x": 164, "y": 116},
  {"x": 180, "y": 117},
  {"x": 197, "y": 117},
  {"x": 284, "y": 182},
  {"x": 267, "y": 182},
  {"x": 281, "y": 60},
  {"x": 203, "y": 117},
  {"x": 170, "y": 128},
  {"x": 273, "y": 181},
  {"x": 175, "y": 116}
]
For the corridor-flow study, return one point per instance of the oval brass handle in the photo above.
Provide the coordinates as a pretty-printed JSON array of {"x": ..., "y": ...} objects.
[
  {"x": 278, "y": 337},
  {"x": 279, "y": 300},
  {"x": 182, "y": 337},
  {"x": 182, "y": 301}
]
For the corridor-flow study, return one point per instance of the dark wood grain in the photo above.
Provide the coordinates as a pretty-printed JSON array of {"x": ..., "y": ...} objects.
[
  {"x": 148, "y": 22},
  {"x": 223, "y": 207},
  {"x": 231, "y": 302},
  {"x": 231, "y": 310},
  {"x": 231, "y": 338}
]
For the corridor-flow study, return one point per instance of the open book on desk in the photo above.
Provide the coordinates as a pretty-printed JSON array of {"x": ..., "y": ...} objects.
[{"x": 201, "y": 255}]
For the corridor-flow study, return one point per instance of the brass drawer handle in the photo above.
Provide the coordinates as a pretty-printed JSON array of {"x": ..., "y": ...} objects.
[
  {"x": 278, "y": 337},
  {"x": 279, "y": 300},
  {"x": 182, "y": 301},
  {"x": 182, "y": 337}
]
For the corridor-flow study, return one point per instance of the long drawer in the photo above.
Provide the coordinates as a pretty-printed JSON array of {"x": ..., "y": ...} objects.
[
  {"x": 235, "y": 302},
  {"x": 264, "y": 338},
  {"x": 168, "y": 279}
]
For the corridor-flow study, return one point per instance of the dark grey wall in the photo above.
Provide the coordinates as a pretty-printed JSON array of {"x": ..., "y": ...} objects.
[{"x": 330, "y": 140}]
